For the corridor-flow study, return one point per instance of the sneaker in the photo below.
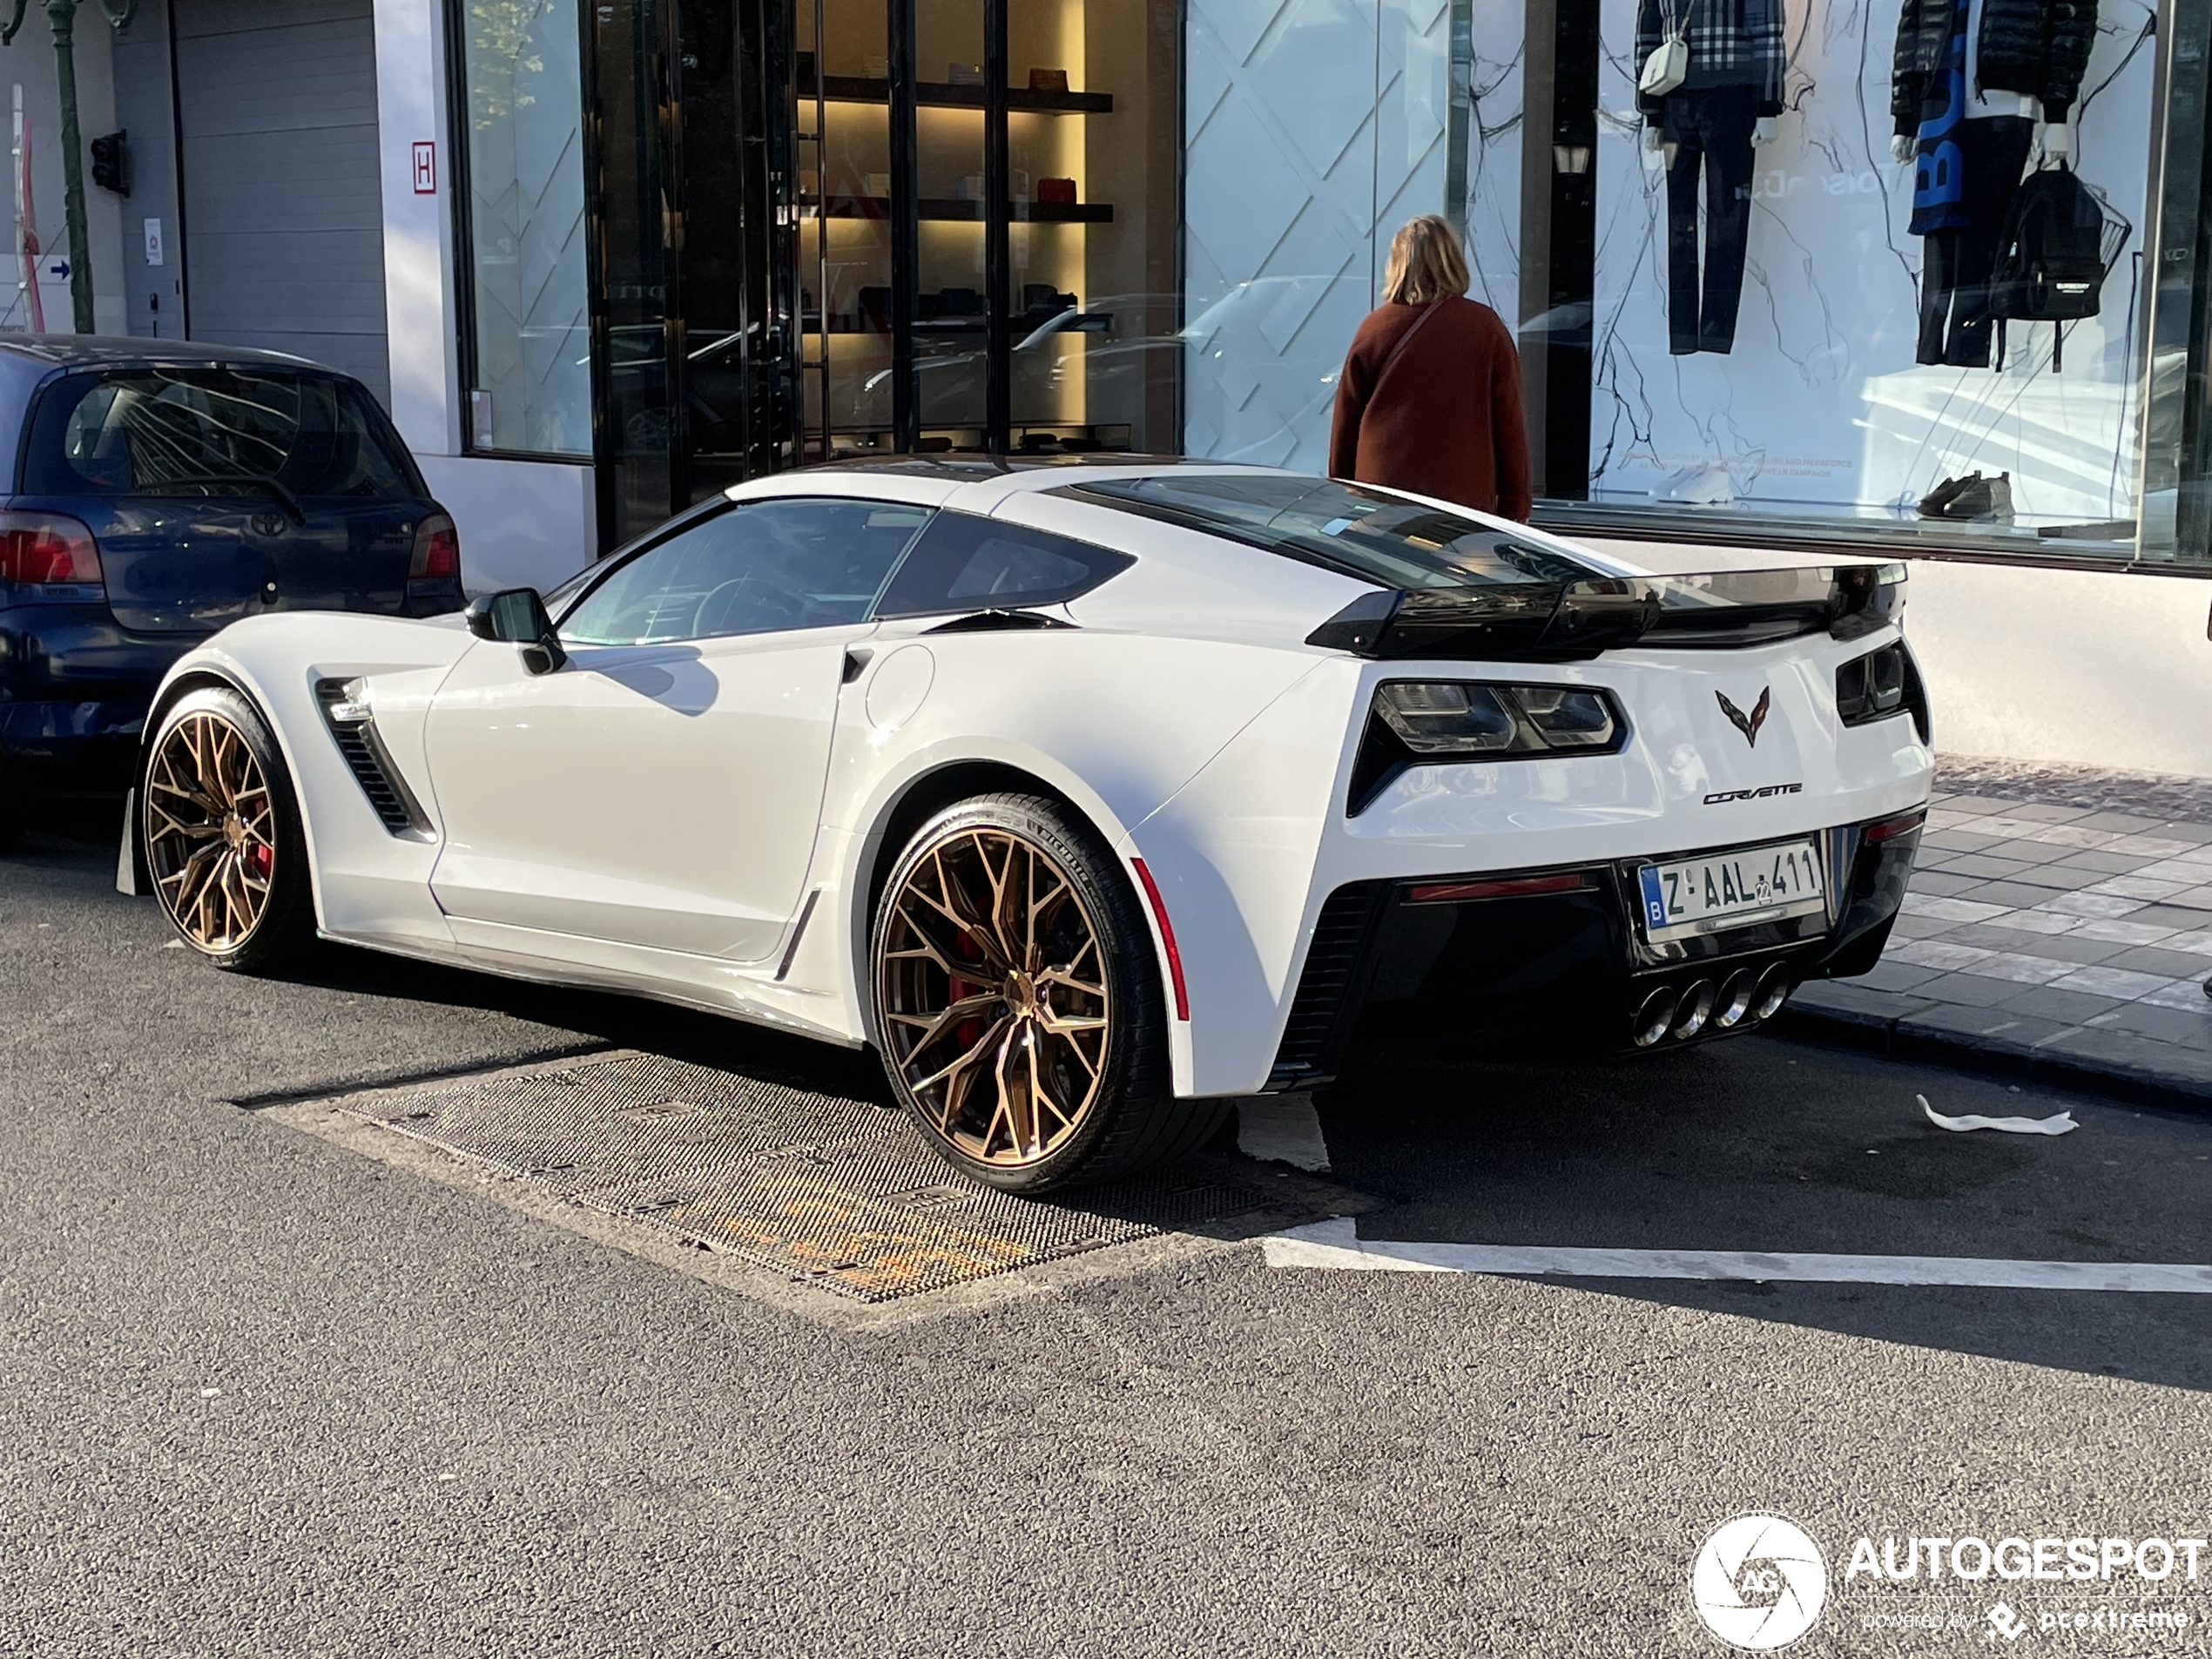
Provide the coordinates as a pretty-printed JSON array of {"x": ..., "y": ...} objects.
[
  {"x": 1981, "y": 501},
  {"x": 1942, "y": 495}
]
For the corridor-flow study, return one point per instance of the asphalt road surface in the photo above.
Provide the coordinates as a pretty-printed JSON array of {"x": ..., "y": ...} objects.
[{"x": 260, "y": 1394}]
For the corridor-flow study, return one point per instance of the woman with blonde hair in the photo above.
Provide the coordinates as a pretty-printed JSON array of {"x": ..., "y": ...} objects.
[{"x": 1429, "y": 399}]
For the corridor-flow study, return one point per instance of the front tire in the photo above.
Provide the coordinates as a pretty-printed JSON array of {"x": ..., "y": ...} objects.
[
  {"x": 223, "y": 841},
  {"x": 1017, "y": 1001}
]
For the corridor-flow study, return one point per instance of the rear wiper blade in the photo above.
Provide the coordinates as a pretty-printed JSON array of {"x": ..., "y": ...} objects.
[{"x": 252, "y": 481}]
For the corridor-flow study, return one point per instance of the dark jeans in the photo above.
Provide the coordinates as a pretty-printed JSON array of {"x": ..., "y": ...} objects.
[
  {"x": 1955, "y": 264},
  {"x": 1710, "y": 129}
]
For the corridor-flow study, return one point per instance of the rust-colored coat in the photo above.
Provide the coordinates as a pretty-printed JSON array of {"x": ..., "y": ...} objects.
[{"x": 1446, "y": 418}]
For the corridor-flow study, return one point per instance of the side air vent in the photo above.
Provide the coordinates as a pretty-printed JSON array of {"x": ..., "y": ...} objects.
[
  {"x": 352, "y": 727},
  {"x": 1321, "y": 1013}
]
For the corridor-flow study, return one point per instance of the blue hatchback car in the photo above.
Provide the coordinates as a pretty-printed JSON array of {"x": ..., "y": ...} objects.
[{"x": 159, "y": 489}]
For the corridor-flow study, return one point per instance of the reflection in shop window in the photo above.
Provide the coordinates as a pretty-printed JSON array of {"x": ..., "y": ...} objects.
[
  {"x": 1804, "y": 290},
  {"x": 530, "y": 382},
  {"x": 1878, "y": 262}
]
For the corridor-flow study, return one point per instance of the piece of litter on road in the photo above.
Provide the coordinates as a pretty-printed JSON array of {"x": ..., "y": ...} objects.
[
  {"x": 2061, "y": 1124},
  {"x": 172, "y": 944},
  {"x": 448, "y": 1476},
  {"x": 1284, "y": 1128},
  {"x": 210, "y": 1393}
]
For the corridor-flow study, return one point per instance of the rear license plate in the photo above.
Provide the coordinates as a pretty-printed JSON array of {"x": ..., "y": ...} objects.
[{"x": 1721, "y": 890}]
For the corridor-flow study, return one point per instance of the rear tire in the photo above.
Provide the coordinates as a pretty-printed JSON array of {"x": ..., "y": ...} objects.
[
  {"x": 224, "y": 846},
  {"x": 1017, "y": 1001}
]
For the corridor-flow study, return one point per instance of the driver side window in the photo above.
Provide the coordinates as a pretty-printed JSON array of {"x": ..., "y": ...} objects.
[{"x": 762, "y": 566}]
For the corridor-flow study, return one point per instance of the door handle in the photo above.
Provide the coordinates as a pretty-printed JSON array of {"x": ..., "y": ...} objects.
[{"x": 856, "y": 658}]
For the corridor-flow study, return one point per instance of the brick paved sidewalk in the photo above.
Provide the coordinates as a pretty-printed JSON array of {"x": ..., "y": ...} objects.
[{"x": 2049, "y": 930}]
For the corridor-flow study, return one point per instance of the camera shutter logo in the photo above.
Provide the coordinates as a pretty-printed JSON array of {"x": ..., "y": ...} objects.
[{"x": 1759, "y": 1582}]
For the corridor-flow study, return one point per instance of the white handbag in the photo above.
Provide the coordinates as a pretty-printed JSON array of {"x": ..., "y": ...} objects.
[{"x": 1668, "y": 64}]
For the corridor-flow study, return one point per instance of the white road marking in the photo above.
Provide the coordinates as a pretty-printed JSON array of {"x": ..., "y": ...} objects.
[
  {"x": 1337, "y": 1244},
  {"x": 1284, "y": 1128}
]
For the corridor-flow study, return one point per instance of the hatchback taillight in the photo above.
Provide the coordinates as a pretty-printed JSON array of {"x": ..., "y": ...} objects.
[
  {"x": 437, "y": 550},
  {"x": 48, "y": 550}
]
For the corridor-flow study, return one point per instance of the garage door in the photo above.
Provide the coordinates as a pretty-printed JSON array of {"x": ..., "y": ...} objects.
[{"x": 283, "y": 209}]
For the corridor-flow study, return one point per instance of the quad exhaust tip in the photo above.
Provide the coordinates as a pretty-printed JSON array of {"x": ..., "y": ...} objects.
[
  {"x": 1750, "y": 996},
  {"x": 1656, "y": 1017},
  {"x": 1697, "y": 1008},
  {"x": 1739, "y": 997},
  {"x": 1774, "y": 991}
]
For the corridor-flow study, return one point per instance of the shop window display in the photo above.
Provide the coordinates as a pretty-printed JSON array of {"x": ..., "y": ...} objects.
[
  {"x": 1082, "y": 294},
  {"x": 1838, "y": 264}
]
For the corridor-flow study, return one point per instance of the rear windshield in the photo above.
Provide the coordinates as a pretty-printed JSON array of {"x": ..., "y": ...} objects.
[
  {"x": 209, "y": 431},
  {"x": 1344, "y": 527}
]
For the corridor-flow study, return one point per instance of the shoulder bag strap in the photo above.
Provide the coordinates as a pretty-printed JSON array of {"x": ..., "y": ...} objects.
[{"x": 1404, "y": 341}]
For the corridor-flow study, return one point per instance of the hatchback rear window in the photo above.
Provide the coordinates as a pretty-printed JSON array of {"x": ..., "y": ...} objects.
[
  {"x": 208, "y": 431},
  {"x": 1344, "y": 527}
]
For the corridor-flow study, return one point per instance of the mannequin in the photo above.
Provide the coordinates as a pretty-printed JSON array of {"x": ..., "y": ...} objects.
[
  {"x": 1975, "y": 84},
  {"x": 1729, "y": 101}
]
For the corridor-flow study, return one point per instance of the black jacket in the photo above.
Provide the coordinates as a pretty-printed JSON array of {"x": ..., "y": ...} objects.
[{"x": 2038, "y": 47}]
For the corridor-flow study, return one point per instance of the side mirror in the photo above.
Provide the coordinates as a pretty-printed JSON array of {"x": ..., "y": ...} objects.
[{"x": 518, "y": 616}]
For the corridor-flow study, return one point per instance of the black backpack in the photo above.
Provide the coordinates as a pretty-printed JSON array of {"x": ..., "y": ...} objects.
[{"x": 2050, "y": 255}]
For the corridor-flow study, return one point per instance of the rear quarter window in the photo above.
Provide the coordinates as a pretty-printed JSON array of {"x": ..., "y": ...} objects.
[
  {"x": 202, "y": 431},
  {"x": 965, "y": 562}
]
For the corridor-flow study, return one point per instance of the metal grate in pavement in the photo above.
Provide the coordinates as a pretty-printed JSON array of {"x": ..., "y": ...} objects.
[{"x": 834, "y": 1192}]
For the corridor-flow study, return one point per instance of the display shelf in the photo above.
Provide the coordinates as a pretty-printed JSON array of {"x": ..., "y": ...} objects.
[
  {"x": 1021, "y": 323},
  {"x": 950, "y": 95},
  {"x": 955, "y": 209}
]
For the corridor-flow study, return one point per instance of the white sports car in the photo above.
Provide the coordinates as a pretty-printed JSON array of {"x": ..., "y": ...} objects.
[{"x": 1091, "y": 796}]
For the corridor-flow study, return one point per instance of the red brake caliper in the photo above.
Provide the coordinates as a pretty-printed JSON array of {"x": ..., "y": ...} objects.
[{"x": 972, "y": 1027}]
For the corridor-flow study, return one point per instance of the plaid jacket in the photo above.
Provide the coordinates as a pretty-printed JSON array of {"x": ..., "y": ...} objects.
[{"x": 1732, "y": 43}]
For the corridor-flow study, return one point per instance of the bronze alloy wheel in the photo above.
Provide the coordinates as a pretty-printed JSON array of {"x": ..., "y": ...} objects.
[
  {"x": 210, "y": 832},
  {"x": 993, "y": 990}
]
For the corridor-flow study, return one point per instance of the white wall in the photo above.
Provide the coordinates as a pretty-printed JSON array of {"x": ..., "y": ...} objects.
[
  {"x": 418, "y": 229},
  {"x": 523, "y": 523},
  {"x": 2070, "y": 667}
]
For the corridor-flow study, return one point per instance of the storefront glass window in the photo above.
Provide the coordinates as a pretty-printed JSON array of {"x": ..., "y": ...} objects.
[
  {"x": 1313, "y": 128},
  {"x": 1780, "y": 269},
  {"x": 529, "y": 382},
  {"x": 1035, "y": 280},
  {"x": 1881, "y": 265}
]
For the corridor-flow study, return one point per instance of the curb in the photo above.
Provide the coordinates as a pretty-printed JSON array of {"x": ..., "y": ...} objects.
[{"x": 2114, "y": 1076}]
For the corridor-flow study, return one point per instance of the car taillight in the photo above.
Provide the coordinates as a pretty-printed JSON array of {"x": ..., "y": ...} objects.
[
  {"x": 48, "y": 550},
  {"x": 437, "y": 550},
  {"x": 1890, "y": 828}
]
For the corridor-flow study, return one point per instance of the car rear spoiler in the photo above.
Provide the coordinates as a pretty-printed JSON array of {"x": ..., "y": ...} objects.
[{"x": 1567, "y": 621}]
